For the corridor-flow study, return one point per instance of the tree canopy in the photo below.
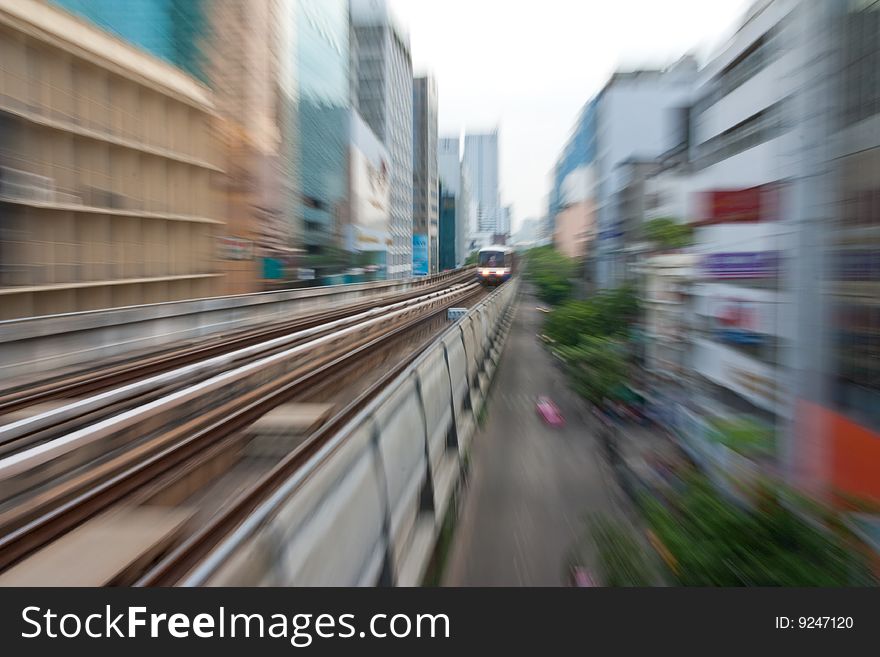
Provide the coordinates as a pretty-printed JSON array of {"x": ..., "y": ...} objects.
[
  {"x": 668, "y": 233},
  {"x": 551, "y": 273}
]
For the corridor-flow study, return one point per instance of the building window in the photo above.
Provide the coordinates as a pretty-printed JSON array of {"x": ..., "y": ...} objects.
[
  {"x": 754, "y": 59},
  {"x": 761, "y": 127},
  {"x": 860, "y": 79}
]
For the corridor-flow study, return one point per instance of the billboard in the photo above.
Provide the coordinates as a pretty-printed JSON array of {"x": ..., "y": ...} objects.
[
  {"x": 420, "y": 254},
  {"x": 369, "y": 221},
  {"x": 742, "y": 264}
]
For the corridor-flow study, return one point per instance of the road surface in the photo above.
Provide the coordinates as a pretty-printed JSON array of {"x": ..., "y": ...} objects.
[{"x": 531, "y": 487}]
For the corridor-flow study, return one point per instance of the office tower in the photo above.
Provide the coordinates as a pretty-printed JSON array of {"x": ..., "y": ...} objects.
[
  {"x": 317, "y": 40},
  {"x": 481, "y": 162},
  {"x": 384, "y": 99},
  {"x": 425, "y": 176}
]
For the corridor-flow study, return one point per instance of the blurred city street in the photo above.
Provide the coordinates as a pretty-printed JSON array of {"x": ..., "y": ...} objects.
[
  {"x": 530, "y": 486},
  {"x": 471, "y": 292}
]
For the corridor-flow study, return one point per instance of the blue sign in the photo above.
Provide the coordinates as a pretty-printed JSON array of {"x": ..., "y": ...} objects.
[
  {"x": 420, "y": 255},
  {"x": 760, "y": 264}
]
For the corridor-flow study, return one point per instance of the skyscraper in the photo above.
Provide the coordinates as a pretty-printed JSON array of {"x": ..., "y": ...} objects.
[
  {"x": 503, "y": 228},
  {"x": 384, "y": 98},
  {"x": 319, "y": 44},
  {"x": 481, "y": 161},
  {"x": 454, "y": 184},
  {"x": 449, "y": 162},
  {"x": 425, "y": 178}
]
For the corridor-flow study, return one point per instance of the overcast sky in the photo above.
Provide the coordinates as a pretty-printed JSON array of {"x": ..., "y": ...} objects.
[{"x": 530, "y": 65}]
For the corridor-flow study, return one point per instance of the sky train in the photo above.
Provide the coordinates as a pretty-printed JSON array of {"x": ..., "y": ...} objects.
[{"x": 495, "y": 264}]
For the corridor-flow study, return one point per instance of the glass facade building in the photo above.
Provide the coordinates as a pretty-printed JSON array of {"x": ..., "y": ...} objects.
[
  {"x": 385, "y": 100},
  {"x": 172, "y": 30},
  {"x": 447, "y": 236},
  {"x": 323, "y": 86}
]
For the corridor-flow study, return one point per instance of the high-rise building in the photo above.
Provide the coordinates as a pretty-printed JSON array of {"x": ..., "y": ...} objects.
[
  {"x": 384, "y": 99},
  {"x": 455, "y": 183},
  {"x": 506, "y": 219},
  {"x": 449, "y": 162},
  {"x": 481, "y": 161},
  {"x": 242, "y": 67},
  {"x": 318, "y": 40},
  {"x": 108, "y": 170},
  {"x": 425, "y": 176},
  {"x": 446, "y": 250},
  {"x": 456, "y": 214},
  {"x": 173, "y": 30}
]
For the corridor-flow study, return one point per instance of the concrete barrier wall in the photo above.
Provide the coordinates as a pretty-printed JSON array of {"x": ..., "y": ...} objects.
[
  {"x": 367, "y": 509},
  {"x": 42, "y": 346}
]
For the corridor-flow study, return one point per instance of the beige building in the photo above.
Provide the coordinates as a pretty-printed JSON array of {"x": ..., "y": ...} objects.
[
  {"x": 575, "y": 229},
  {"x": 243, "y": 68},
  {"x": 110, "y": 188}
]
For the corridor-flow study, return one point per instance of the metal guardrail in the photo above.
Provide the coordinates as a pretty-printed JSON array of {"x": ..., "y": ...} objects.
[
  {"x": 32, "y": 346},
  {"x": 367, "y": 508}
]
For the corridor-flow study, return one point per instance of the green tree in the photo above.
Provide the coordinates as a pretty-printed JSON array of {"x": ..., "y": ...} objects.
[
  {"x": 551, "y": 273},
  {"x": 597, "y": 367},
  {"x": 621, "y": 559},
  {"x": 609, "y": 313},
  {"x": 668, "y": 233},
  {"x": 716, "y": 542}
]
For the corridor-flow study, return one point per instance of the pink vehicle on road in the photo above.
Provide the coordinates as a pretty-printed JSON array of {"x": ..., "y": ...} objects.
[{"x": 549, "y": 412}]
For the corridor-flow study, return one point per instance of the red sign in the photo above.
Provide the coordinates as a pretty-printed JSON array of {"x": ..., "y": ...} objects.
[{"x": 741, "y": 205}]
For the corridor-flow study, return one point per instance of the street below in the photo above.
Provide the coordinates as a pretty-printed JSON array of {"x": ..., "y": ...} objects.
[{"x": 531, "y": 487}]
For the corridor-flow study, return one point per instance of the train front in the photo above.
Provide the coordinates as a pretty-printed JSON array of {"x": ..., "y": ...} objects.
[{"x": 493, "y": 266}]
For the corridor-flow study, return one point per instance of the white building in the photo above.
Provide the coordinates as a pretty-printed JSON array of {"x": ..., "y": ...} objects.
[
  {"x": 640, "y": 115},
  {"x": 481, "y": 160},
  {"x": 783, "y": 157},
  {"x": 385, "y": 99},
  {"x": 745, "y": 147}
]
